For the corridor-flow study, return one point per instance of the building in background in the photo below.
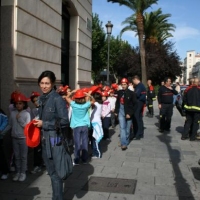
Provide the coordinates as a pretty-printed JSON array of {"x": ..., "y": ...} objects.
[
  {"x": 38, "y": 35},
  {"x": 191, "y": 59}
]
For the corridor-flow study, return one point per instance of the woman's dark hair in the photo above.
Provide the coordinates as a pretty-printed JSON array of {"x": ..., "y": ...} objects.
[
  {"x": 48, "y": 74},
  {"x": 97, "y": 97},
  {"x": 25, "y": 105}
]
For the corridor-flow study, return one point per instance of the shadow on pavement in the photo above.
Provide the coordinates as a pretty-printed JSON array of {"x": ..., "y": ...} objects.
[
  {"x": 181, "y": 184},
  {"x": 180, "y": 129},
  {"x": 79, "y": 179}
]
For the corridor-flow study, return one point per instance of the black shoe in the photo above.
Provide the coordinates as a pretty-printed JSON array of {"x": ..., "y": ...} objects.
[
  {"x": 192, "y": 140},
  {"x": 167, "y": 130},
  {"x": 199, "y": 162},
  {"x": 161, "y": 130},
  {"x": 184, "y": 138}
]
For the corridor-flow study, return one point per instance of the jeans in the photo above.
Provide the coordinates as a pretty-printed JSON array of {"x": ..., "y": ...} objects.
[
  {"x": 21, "y": 152},
  {"x": 56, "y": 181},
  {"x": 96, "y": 148},
  {"x": 125, "y": 126},
  {"x": 81, "y": 144}
]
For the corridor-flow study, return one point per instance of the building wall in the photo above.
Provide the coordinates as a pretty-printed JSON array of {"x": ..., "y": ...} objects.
[{"x": 31, "y": 42}]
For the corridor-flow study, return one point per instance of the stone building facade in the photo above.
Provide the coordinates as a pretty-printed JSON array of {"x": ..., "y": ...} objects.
[{"x": 38, "y": 35}]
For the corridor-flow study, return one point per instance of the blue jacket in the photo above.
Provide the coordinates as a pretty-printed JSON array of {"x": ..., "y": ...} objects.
[
  {"x": 3, "y": 123},
  {"x": 53, "y": 112},
  {"x": 140, "y": 91}
]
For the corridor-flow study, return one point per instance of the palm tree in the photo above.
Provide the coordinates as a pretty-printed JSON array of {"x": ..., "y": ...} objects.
[
  {"x": 139, "y": 6},
  {"x": 156, "y": 27}
]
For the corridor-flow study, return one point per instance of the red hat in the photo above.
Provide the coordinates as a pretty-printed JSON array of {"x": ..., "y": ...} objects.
[
  {"x": 20, "y": 97},
  {"x": 79, "y": 94},
  {"x": 13, "y": 94},
  {"x": 124, "y": 80},
  {"x": 114, "y": 86},
  {"x": 106, "y": 88},
  {"x": 111, "y": 91},
  {"x": 34, "y": 94},
  {"x": 94, "y": 88},
  {"x": 85, "y": 89},
  {"x": 99, "y": 91},
  {"x": 62, "y": 90},
  {"x": 104, "y": 94},
  {"x": 32, "y": 134}
]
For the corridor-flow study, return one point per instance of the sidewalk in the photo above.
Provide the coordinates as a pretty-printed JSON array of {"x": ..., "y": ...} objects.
[{"x": 164, "y": 166}]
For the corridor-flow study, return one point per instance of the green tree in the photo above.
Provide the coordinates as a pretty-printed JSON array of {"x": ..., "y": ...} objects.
[
  {"x": 139, "y": 7},
  {"x": 98, "y": 45}
]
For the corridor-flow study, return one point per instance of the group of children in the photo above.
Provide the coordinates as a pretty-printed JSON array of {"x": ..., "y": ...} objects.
[{"x": 90, "y": 112}]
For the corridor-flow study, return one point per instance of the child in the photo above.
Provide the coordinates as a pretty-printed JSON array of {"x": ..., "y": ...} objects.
[
  {"x": 79, "y": 123},
  {"x": 112, "y": 99},
  {"x": 37, "y": 150},
  {"x": 18, "y": 120},
  {"x": 96, "y": 125},
  {"x": 3, "y": 163},
  {"x": 106, "y": 115}
]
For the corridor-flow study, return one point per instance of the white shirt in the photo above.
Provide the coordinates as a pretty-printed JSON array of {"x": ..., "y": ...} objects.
[
  {"x": 112, "y": 101},
  {"x": 96, "y": 113}
]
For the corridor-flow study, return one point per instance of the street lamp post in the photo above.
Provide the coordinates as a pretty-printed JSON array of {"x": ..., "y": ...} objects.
[{"x": 109, "y": 31}]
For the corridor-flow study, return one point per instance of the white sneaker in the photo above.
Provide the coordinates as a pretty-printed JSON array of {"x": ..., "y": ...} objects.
[
  {"x": 22, "y": 177},
  {"x": 36, "y": 170},
  {"x": 4, "y": 176},
  {"x": 94, "y": 157},
  {"x": 16, "y": 177}
]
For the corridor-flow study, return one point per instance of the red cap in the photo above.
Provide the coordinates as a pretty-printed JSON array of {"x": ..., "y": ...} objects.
[
  {"x": 34, "y": 94},
  {"x": 85, "y": 89},
  {"x": 94, "y": 88},
  {"x": 20, "y": 97},
  {"x": 114, "y": 86},
  {"x": 104, "y": 94},
  {"x": 124, "y": 80},
  {"x": 32, "y": 134},
  {"x": 79, "y": 94},
  {"x": 62, "y": 90},
  {"x": 13, "y": 94},
  {"x": 106, "y": 88}
]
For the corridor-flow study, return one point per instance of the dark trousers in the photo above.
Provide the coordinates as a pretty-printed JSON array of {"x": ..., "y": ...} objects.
[
  {"x": 4, "y": 168},
  {"x": 56, "y": 181},
  {"x": 138, "y": 125},
  {"x": 166, "y": 113},
  {"x": 38, "y": 156},
  {"x": 113, "y": 117},
  {"x": 106, "y": 125},
  {"x": 81, "y": 144},
  {"x": 191, "y": 122},
  {"x": 150, "y": 106}
]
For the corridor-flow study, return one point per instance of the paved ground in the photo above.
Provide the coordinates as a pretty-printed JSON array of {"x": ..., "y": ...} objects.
[{"x": 164, "y": 166}]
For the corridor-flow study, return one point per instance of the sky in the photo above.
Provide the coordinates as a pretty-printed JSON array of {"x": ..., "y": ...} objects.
[{"x": 185, "y": 15}]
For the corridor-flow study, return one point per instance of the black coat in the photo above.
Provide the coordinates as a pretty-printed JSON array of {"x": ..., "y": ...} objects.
[{"x": 130, "y": 102}]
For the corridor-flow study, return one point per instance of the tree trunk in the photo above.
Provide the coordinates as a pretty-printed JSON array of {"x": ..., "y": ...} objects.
[{"x": 140, "y": 27}]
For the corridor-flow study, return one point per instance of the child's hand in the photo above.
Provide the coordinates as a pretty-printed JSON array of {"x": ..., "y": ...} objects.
[{"x": 17, "y": 116}]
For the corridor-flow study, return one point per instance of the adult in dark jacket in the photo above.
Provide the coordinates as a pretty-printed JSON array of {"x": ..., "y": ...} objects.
[
  {"x": 191, "y": 102},
  {"x": 52, "y": 114},
  {"x": 165, "y": 104},
  {"x": 138, "y": 124},
  {"x": 125, "y": 107}
]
